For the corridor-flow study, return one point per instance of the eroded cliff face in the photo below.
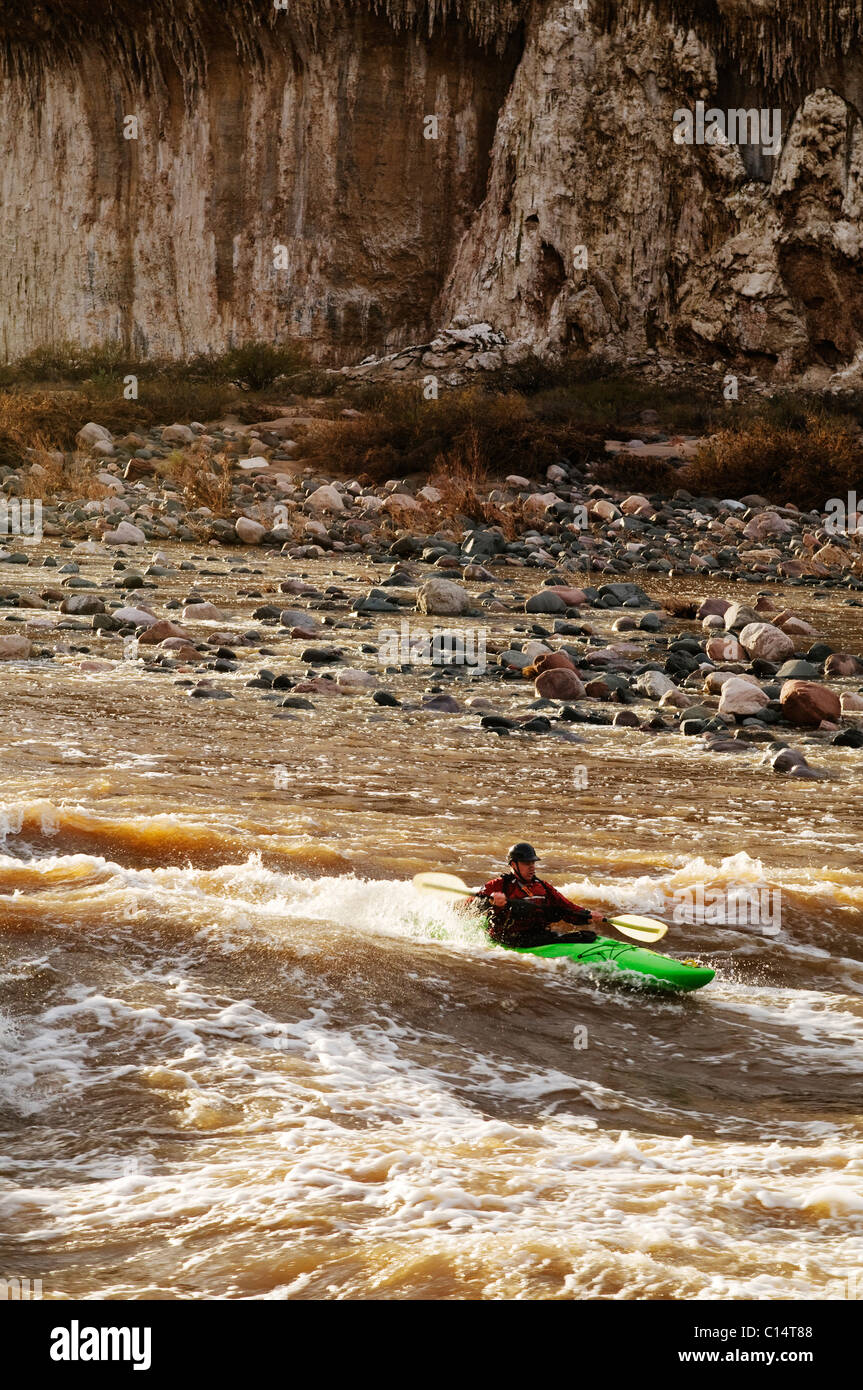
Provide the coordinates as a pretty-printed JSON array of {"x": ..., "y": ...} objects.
[
  {"x": 710, "y": 249},
  {"x": 554, "y": 202}
]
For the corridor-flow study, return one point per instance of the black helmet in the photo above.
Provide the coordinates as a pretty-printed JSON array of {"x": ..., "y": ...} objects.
[{"x": 522, "y": 854}]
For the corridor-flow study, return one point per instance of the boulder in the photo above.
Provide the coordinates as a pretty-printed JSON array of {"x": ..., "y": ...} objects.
[
  {"x": 797, "y": 671},
  {"x": 558, "y": 684},
  {"x": 766, "y": 641},
  {"x": 805, "y": 703},
  {"x": 163, "y": 629},
  {"x": 553, "y": 661},
  {"x": 841, "y": 664},
  {"x": 606, "y": 511},
  {"x": 13, "y": 647},
  {"x": 534, "y": 506},
  {"x": 82, "y": 603},
  {"x": 349, "y": 678},
  {"x": 91, "y": 434},
  {"x": 444, "y": 598},
  {"x": 125, "y": 534},
  {"x": 675, "y": 699},
  {"x": 300, "y": 622},
  {"x": 725, "y": 649},
  {"x": 546, "y": 601},
  {"x": 250, "y": 532},
  {"x": 203, "y": 613},
  {"x": 139, "y": 617},
  {"x": 851, "y": 704},
  {"x": 713, "y": 607},
  {"x": 738, "y": 615},
  {"x": 741, "y": 697},
  {"x": 786, "y": 759},
  {"x": 326, "y": 499},
  {"x": 178, "y": 434},
  {"x": 573, "y": 598},
  {"x": 794, "y": 626},
  {"x": 654, "y": 684},
  {"x": 765, "y": 525}
]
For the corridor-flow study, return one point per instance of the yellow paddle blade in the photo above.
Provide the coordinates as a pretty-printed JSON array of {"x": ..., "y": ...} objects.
[
  {"x": 639, "y": 928},
  {"x": 443, "y": 883}
]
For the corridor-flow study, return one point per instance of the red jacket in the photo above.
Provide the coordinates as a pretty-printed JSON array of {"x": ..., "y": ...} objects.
[{"x": 551, "y": 906}]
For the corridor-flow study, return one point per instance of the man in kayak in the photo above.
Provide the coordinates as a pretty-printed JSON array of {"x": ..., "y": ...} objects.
[{"x": 522, "y": 907}]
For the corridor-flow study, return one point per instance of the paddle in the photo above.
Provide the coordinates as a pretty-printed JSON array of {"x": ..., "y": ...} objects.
[{"x": 639, "y": 928}]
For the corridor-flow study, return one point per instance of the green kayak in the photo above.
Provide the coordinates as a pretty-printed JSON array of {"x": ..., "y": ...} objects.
[{"x": 608, "y": 955}]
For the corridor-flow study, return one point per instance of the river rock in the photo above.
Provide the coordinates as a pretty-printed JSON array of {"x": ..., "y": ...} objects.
[
  {"x": 654, "y": 684},
  {"x": 203, "y": 613},
  {"x": 82, "y": 603},
  {"x": 358, "y": 680},
  {"x": 766, "y": 641},
  {"x": 713, "y": 608},
  {"x": 675, "y": 699},
  {"x": 326, "y": 499},
  {"x": 553, "y": 661},
  {"x": 765, "y": 525},
  {"x": 125, "y": 534},
  {"x": 178, "y": 434},
  {"x": 739, "y": 615},
  {"x": 13, "y": 647},
  {"x": 250, "y": 532},
  {"x": 573, "y": 598},
  {"x": 559, "y": 684},
  {"x": 851, "y": 704},
  {"x": 301, "y": 622},
  {"x": 444, "y": 598},
  {"x": 158, "y": 631},
  {"x": 741, "y": 697},
  {"x": 140, "y": 617},
  {"x": 626, "y": 719},
  {"x": 91, "y": 434},
  {"x": 841, "y": 664},
  {"x": 807, "y": 704},
  {"x": 724, "y": 648},
  {"x": 546, "y": 601},
  {"x": 786, "y": 759},
  {"x": 797, "y": 671}
]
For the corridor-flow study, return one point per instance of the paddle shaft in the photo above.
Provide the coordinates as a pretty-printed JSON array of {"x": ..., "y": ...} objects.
[{"x": 618, "y": 923}]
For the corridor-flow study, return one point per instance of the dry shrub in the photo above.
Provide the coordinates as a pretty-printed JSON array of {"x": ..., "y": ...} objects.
[
  {"x": 55, "y": 417},
  {"x": 782, "y": 462},
  {"x": 401, "y": 432},
  {"x": 624, "y": 470},
  {"x": 67, "y": 475},
  {"x": 203, "y": 479}
]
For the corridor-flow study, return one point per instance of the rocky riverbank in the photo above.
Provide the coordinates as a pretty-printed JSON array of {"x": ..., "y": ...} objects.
[{"x": 313, "y": 588}]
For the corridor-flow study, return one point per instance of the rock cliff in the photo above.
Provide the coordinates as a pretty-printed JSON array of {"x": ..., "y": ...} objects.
[{"x": 359, "y": 173}]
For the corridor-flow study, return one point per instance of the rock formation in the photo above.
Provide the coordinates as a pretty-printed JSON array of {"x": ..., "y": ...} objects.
[{"x": 185, "y": 177}]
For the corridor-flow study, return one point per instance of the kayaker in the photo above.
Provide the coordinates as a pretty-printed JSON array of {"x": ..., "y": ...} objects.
[{"x": 521, "y": 907}]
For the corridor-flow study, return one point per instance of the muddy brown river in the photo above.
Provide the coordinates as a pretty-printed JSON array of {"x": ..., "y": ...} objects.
[{"x": 242, "y": 1056}]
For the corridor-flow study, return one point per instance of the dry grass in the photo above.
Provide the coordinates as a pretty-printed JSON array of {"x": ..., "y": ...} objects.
[
  {"x": 68, "y": 475},
  {"x": 401, "y": 432},
  {"x": 805, "y": 461},
  {"x": 624, "y": 470},
  {"x": 204, "y": 479}
]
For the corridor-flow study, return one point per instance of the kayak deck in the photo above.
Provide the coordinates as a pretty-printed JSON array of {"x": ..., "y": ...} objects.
[{"x": 607, "y": 954}]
